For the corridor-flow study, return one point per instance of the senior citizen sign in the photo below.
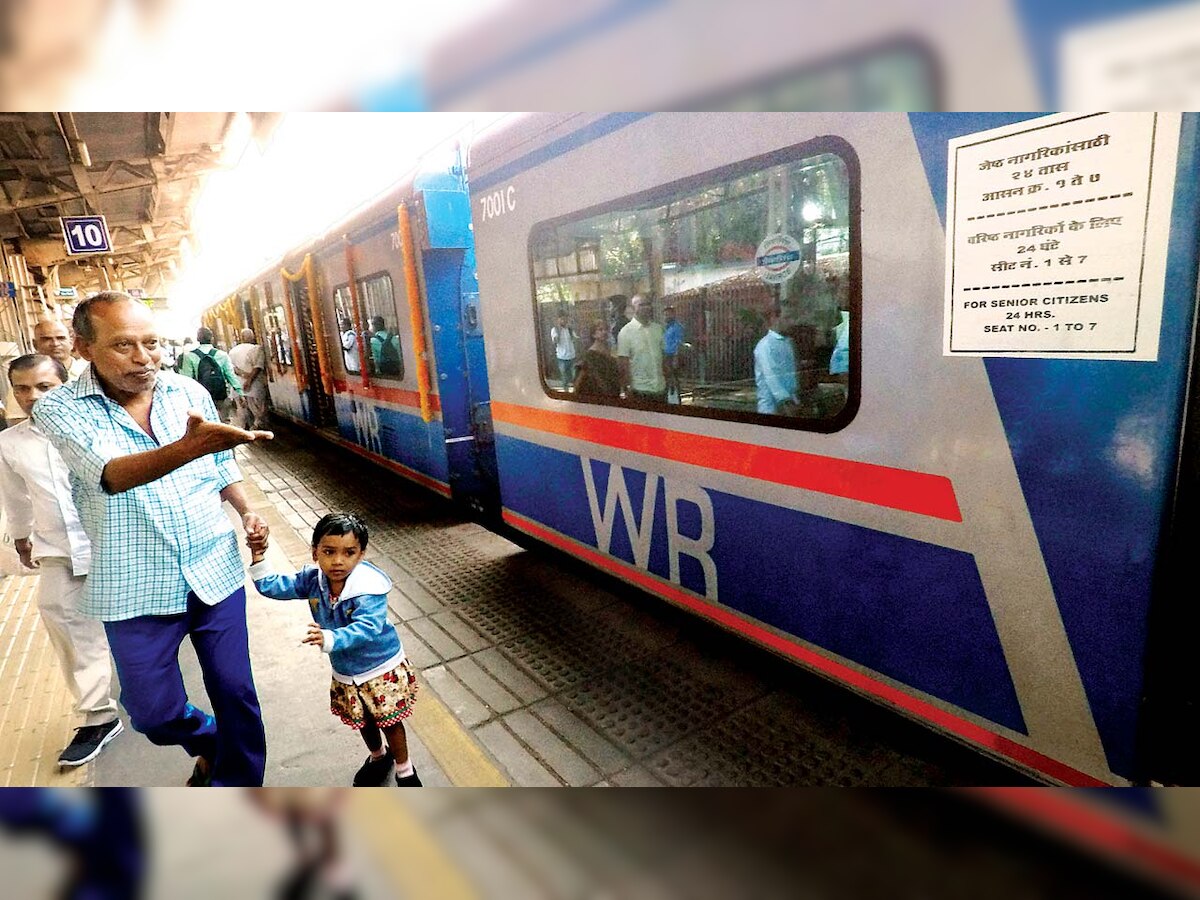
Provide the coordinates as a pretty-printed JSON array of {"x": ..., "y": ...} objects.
[{"x": 1056, "y": 236}]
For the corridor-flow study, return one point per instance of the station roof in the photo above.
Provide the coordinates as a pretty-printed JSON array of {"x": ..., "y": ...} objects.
[{"x": 142, "y": 171}]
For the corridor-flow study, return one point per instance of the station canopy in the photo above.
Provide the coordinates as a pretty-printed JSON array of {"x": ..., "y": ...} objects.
[{"x": 142, "y": 171}]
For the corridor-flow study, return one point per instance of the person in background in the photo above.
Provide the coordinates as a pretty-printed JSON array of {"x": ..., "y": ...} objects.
[
  {"x": 50, "y": 338},
  {"x": 385, "y": 350},
  {"x": 150, "y": 467},
  {"x": 599, "y": 375},
  {"x": 640, "y": 354},
  {"x": 349, "y": 341},
  {"x": 618, "y": 304},
  {"x": 563, "y": 338},
  {"x": 212, "y": 368},
  {"x": 168, "y": 354},
  {"x": 184, "y": 349},
  {"x": 775, "y": 369},
  {"x": 250, "y": 365},
  {"x": 672, "y": 343},
  {"x": 49, "y": 537},
  {"x": 839, "y": 360}
]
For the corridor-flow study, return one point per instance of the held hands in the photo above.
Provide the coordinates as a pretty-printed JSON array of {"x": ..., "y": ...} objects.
[
  {"x": 314, "y": 635},
  {"x": 213, "y": 437},
  {"x": 257, "y": 534}
]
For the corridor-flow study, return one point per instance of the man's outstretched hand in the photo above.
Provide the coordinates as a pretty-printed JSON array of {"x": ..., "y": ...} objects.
[{"x": 213, "y": 437}]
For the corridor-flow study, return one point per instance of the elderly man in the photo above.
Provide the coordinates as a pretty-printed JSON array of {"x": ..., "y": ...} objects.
[
  {"x": 250, "y": 365},
  {"x": 148, "y": 473},
  {"x": 51, "y": 338}
]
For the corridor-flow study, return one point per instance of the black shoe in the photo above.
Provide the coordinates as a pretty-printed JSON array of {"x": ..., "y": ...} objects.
[
  {"x": 408, "y": 780},
  {"x": 201, "y": 773},
  {"x": 88, "y": 742},
  {"x": 374, "y": 772}
]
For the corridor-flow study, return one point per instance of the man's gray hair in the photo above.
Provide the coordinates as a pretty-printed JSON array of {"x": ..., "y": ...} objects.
[{"x": 82, "y": 320}]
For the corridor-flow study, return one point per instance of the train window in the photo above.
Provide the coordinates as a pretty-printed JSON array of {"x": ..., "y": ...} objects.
[
  {"x": 380, "y": 320},
  {"x": 731, "y": 295}
]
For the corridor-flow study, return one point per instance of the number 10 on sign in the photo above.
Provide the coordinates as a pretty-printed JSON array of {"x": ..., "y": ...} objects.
[{"x": 86, "y": 234}]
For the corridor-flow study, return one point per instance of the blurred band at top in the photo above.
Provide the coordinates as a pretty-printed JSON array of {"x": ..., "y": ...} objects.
[{"x": 600, "y": 54}]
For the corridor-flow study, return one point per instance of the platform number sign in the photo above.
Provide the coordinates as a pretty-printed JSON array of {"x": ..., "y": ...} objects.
[{"x": 86, "y": 234}]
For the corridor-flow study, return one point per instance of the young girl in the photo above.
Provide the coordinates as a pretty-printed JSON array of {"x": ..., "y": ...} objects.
[{"x": 373, "y": 686}]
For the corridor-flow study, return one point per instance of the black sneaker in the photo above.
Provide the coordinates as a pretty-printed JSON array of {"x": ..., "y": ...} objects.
[
  {"x": 88, "y": 742},
  {"x": 408, "y": 780},
  {"x": 374, "y": 772}
]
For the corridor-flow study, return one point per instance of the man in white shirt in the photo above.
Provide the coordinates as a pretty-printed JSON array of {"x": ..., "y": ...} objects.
[
  {"x": 250, "y": 365},
  {"x": 349, "y": 347},
  {"x": 640, "y": 354},
  {"x": 48, "y": 536}
]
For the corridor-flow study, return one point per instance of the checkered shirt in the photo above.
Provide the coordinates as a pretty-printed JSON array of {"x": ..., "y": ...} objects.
[{"x": 152, "y": 543}]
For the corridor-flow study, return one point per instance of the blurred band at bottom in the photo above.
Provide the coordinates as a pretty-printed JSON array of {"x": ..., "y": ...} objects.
[{"x": 450, "y": 843}]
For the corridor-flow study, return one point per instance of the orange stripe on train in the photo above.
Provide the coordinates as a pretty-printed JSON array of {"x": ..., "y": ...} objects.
[{"x": 916, "y": 492}]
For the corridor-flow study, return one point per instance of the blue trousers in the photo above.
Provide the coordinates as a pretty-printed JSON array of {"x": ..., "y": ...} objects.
[{"x": 146, "y": 652}]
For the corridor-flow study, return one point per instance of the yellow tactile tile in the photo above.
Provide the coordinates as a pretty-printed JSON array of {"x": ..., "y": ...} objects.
[
  {"x": 406, "y": 849},
  {"x": 37, "y": 712}
]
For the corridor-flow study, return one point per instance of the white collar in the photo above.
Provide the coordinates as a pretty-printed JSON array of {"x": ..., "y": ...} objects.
[{"x": 365, "y": 579}]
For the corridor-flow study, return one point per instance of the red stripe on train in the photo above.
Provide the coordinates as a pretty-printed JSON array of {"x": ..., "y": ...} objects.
[
  {"x": 947, "y": 721},
  {"x": 399, "y": 396},
  {"x": 916, "y": 492},
  {"x": 1096, "y": 828},
  {"x": 399, "y": 468}
]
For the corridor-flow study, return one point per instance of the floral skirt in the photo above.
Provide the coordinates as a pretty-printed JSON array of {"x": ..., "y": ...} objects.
[{"x": 386, "y": 698}]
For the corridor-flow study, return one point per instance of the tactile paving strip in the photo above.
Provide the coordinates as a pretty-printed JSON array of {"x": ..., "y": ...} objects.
[
  {"x": 647, "y": 705},
  {"x": 791, "y": 745}
]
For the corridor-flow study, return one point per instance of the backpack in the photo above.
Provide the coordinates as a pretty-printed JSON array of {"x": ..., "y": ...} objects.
[
  {"x": 209, "y": 374},
  {"x": 390, "y": 360}
]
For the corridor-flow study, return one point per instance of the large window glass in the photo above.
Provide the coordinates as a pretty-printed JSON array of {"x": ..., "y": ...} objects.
[
  {"x": 727, "y": 296},
  {"x": 381, "y": 325}
]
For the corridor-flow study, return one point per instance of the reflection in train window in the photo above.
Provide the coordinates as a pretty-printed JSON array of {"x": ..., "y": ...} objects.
[
  {"x": 280, "y": 340},
  {"x": 731, "y": 295},
  {"x": 380, "y": 322}
]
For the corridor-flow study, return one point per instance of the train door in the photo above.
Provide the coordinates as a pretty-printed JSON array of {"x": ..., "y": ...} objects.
[
  {"x": 452, "y": 295},
  {"x": 318, "y": 406}
]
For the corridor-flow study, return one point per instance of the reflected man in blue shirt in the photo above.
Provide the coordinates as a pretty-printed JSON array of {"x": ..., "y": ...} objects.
[{"x": 775, "y": 369}]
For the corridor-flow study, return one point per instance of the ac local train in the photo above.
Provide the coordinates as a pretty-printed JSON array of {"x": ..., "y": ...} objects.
[{"x": 974, "y": 501}]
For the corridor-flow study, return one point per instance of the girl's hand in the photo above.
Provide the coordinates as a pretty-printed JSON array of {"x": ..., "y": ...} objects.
[
  {"x": 257, "y": 543},
  {"x": 314, "y": 635}
]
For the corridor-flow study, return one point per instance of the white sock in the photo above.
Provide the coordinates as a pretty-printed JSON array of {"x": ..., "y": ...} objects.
[
  {"x": 378, "y": 754},
  {"x": 404, "y": 769}
]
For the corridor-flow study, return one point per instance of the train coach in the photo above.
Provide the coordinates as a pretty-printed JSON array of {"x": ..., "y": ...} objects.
[{"x": 974, "y": 501}]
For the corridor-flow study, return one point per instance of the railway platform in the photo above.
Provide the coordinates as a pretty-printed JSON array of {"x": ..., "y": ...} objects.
[{"x": 535, "y": 671}]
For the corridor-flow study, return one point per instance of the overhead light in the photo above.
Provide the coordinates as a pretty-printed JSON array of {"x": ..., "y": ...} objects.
[{"x": 81, "y": 154}]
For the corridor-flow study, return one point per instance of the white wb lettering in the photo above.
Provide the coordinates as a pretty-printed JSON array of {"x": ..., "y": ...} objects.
[{"x": 640, "y": 528}]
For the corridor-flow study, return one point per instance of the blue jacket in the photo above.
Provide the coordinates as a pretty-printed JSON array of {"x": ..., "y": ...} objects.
[{"x": 358, "y": 636}]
